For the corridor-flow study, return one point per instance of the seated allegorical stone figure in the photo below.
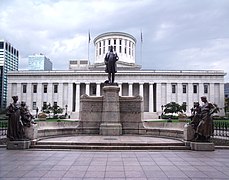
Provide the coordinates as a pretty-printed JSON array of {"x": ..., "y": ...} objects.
[
  {"x": 15, "y": 129},
  {"x": 26, "y": 116},
  {"x": 203, "y": 122}
]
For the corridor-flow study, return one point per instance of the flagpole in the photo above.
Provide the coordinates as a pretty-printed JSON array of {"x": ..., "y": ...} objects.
[
  {"x": 89, "y": 40},
  {"x": 141, "y": 49}
]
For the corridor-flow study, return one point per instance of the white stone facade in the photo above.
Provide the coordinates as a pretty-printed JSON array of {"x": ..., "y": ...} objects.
[{"x": 157, "y": 87}]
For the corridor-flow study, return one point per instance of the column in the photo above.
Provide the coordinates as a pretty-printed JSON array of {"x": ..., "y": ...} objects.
[
  {"x": 212, "y": 92},
  {"x": 77, "y": 97},
  {"x": 190, "y": 97},
  {"x": 179, "y": 93},
  {"x": 120, "y": 86},
  {"x": 39, "y": 96},
  {"x": 141, "y": 92},
  {"x": 70, "y": 96},
  {"x": 19, "y": 91},
  {"x": 200, "y": 90},
  {"x": 87, "y": 88},
  {"x": 50, "y": 93},
  {"x": 29, "y": 96},
  {"x": 168, "y": 92},
  {"x": 150, "y": 97},
  {"x": 60, "y": 95},
  {"x": 130, "y": 89},
  {"x": 97, "y": 89},
  {"x": 158, "y": 97},
  {"x": 221, "y": 98},
  {"x": 9, "y": 94}
]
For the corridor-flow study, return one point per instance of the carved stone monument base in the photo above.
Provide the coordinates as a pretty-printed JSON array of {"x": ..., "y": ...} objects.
[
  {"x": 110, "y": 129},
  {"x": 202, "y": 146},
  {"x": 31, "y": 132},
  {"x": 189, "y": 132},
  {"x": 18, "y": 145}
]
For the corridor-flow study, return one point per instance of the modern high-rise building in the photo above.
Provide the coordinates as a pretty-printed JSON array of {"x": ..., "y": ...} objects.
[
  {"x": 39, "y": 62},
  {"x": 8, "y": 62}
]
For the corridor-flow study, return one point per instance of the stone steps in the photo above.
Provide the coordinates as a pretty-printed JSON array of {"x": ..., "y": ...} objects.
[{"x": 111, "y": 146}]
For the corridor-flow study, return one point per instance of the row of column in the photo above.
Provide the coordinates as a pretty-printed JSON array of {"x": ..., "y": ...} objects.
[{"x": 157, "y": 95}]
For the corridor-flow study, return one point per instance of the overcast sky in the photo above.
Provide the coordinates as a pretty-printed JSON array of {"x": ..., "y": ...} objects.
[{"x": 177, "y": 34}]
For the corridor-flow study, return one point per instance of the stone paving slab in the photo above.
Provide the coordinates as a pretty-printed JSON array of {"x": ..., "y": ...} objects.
[
  {"x": 111, "y": 139},
  {"x": 126, "y": 165}
]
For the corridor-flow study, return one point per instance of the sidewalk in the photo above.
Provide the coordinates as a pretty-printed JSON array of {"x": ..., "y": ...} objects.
[{"x": 139, "y": 165}]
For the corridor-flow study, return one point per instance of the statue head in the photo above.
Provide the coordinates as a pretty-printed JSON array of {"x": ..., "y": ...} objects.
[
  {"x": 111, "y": 48},
  {"x": 15, "y": 98},
  {"x": 23, "y": 104},
  {"x": 204, "y": 99}
]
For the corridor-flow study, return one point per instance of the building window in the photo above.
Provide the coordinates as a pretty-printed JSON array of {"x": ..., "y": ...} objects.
[
  {"x": 205, "y": 88},
  {"x": 34, "y": 105},
  {"x": 104, "y": 47},
  {"x": 24, "y": 88},
  {"x": 99, "y": 48},
  {"x": 34, "y": 88},
  {"x": 194, "y": 88},
  {"x": 45, "y": 88},
  {"x": 184, "y": 88},
  {"x": 173, "y": 88},
  {"x": 55, "y": 88}
]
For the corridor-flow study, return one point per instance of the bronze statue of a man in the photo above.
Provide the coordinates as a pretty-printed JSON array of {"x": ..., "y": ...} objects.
[{"x": 110, "y": 62}]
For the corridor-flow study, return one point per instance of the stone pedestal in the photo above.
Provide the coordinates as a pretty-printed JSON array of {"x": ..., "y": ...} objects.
[
  {"x": 31, "y": 132},
  {"x": 111, "y": 112},
  {"x": 18, "y": 145},
  {"x": 189, "y": 132},
  {"x": 202, "y": 146}
]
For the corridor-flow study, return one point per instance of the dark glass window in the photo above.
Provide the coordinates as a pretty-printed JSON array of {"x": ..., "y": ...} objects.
[
  {"x": 34, "y": 88},
  {"x": 24, "y": 88},
  {"x": 184, "y": 88},
  {"x": 1, "y": 45},
  {"x": 173, "y": 88},
  {"x": 55, "y": 88},
  {"x": 45, "y": 88},
  {"x": 195, "y": 88},
  {"x": 205, "y": 88}
]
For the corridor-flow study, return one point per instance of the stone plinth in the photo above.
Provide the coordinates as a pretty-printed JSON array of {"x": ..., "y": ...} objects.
[
  {"x": 202, "y": 146},
  {"x": 189, "y": 132},
  {"x": 31, "y": 132},
  {"x": 111, "y": 129},
  {"x": 111, "y": 112},
  {"x": 18, "y": 145}
]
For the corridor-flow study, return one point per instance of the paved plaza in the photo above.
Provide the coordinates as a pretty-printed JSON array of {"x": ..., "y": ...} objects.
[{"x": 139, "y": 165}]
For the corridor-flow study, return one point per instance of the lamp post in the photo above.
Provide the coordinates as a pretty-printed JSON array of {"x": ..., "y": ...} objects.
[
  {"x": 66, "y": 109},
  {"x": 162, "y": 108}
]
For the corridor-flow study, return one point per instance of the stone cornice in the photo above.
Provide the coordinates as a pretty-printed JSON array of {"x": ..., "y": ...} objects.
[{"x": 121, "y": 73}]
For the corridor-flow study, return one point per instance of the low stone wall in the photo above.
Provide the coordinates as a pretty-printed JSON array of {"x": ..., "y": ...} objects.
[
  {"x": 167, "y": 129},
  {"x": 146, "y": 128},
  {"x": 57, "y": 128}
]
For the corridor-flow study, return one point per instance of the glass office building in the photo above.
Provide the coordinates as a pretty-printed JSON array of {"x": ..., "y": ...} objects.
[
  {"x": 39, "y": 62},
  {"x": 8, "y": 62}
]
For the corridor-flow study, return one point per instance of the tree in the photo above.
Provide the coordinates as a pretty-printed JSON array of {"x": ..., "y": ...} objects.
[
  {"x": 55, "y": 109},
  {"x": 174, "y": 107}
]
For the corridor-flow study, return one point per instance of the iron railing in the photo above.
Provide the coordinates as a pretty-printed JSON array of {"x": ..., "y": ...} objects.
[
  {"x": 221, "y": 129},
  {"x": 3, "y": 127}
]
